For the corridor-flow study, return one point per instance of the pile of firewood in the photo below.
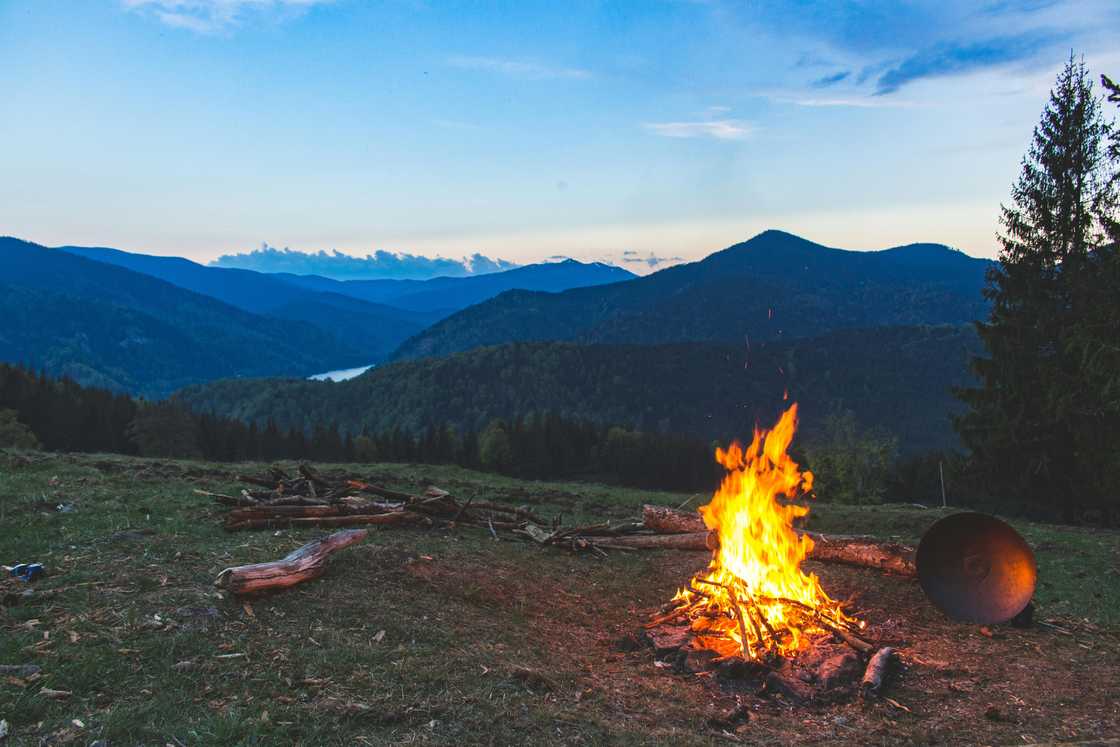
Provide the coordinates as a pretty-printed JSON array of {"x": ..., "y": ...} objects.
[
  {"x": 280, "y": 500},
  {"x": 312, "y": 500}
]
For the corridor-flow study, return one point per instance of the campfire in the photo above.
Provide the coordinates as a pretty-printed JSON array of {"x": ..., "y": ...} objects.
[{"x": 754, "y": 601}]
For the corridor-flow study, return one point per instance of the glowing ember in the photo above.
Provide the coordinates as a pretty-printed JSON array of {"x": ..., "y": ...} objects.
[{"x": 754, "y": 600}]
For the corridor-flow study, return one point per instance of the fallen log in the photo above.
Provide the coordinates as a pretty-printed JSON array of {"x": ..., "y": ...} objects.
[
  {"x": 306, "y": 563},
  {"x": 878, "y": 669},
  {"x": 865, "y": 552},
  {"x": 666, "y": 520}
]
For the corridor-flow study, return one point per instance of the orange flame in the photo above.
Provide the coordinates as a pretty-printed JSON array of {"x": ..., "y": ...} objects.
[{"x": 754, "y": 600}]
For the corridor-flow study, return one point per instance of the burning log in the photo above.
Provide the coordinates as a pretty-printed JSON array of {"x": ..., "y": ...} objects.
[
  {"x": 878, "y": 669},
  {"x": 753, "y": 600},
  {"x": 860, "y": 551},
  {"x": 306, "y": 563}
]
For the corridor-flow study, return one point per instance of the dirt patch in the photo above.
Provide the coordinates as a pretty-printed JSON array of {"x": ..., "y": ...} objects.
[{"x": 957, "y": 683}]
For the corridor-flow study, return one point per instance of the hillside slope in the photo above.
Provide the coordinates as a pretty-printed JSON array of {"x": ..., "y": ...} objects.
[
  {"x": 775, "y": 286},
  {"x": 898, "y": 378},
  {"x": 113, "y": 327},
  {"x": 375, "y": 329}
]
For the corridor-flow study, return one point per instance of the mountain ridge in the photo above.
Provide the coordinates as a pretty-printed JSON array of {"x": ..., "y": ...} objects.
[
  {"x": 774, "y": 285},
  {"x": 126, "y": 330}
]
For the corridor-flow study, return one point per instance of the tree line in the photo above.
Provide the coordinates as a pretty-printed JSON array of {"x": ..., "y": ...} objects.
[
  {"x": 854, "y": 464},
  {"x": 58, "y": 414}
]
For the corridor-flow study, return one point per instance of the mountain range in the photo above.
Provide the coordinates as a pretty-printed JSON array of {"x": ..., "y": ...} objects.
[
  {"x": 149, "y": 324},
  {"x": 705, "y": 348},
  {"x": 774, "y": 286},
  {"x": 112, "y": 327}
]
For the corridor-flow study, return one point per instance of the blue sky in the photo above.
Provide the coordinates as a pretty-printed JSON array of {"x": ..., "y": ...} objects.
[{"x": 523, "y": 130}]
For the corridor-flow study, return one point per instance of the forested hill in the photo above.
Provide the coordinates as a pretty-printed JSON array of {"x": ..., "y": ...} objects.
[
  {"x": 774, "y": 286},
  {"x": 374, "y": 329},
  {"x": 898, "y": 378},
  {"x": 110, "y": 327},
  {"x": 374, "y": 316}
]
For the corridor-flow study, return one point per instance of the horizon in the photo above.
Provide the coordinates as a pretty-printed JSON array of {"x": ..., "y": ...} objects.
[
  {"x": 464, "y": 263},
  {"x": 637, "y": 135}
]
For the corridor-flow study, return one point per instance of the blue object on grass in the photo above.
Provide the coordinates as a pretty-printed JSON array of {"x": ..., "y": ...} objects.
[{"x": 26, "y": 572}]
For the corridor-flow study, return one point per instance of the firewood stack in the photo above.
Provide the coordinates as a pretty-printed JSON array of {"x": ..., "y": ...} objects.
[
  {"x": 312, "y": 500},
  {"x": 281, "y": 501}
]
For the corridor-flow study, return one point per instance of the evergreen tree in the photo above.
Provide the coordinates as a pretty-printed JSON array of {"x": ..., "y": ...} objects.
[
  {"x": 14, "y": 433},
  {"x": 1108, "y": 217},
  {"x": 1022, "y": 428}
]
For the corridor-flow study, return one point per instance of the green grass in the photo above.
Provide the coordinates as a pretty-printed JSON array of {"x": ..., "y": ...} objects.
[{"x": 438, "y": 636}]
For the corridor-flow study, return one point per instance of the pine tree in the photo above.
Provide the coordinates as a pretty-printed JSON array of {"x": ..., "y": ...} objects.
[{"x": 1023, "y": 424}]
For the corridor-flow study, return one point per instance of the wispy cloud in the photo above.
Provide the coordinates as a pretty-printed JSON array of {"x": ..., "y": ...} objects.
[
  {"x": 830, "y": 80},
  {"x": 651, "y": 260},
  {"x": 718, "y": 129},
  {"x": 525, "y": 69},
  {"x": 955, "y": 59},
  {"x": 214, "y": 16},
  {"x": 380, "y": 264}
]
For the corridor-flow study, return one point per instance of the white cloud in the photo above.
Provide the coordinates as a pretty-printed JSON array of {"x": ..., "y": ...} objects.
[
  {"x": 213, "y": 16},
  {"x": 719, "y": 129},
  {"x": 518, "y": 68}
]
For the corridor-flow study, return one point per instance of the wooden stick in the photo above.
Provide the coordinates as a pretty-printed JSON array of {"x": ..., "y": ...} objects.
[
  {"x": 228, "y": 500},
  {"x": 395, "y": 518},
  {"x": 660, "y": 542},
  {"x": 878, "y": 669},
  {"x": 742, "y": 624},
  {"x": 392, "y": 495},
  {"x": 259, "y": 481},
  {"x": 303, "y": 564},
  {"x": 516, "y": 511}
]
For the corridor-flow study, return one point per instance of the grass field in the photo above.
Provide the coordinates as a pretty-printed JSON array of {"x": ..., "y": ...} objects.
[{"x": 451, "y": 637}]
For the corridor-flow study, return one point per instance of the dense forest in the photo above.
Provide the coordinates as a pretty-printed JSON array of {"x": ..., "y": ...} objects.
[
  {"x": 854, "y": 464},
  {"x": 899, "y": 379},
  {"x": 37, "y": 411}
]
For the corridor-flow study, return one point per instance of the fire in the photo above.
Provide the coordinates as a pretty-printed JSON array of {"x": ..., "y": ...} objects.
[{"x": 754, "y": 600}]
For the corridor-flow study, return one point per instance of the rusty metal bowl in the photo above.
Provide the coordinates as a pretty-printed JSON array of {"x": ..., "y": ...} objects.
[{"x": 976, "y": 568}]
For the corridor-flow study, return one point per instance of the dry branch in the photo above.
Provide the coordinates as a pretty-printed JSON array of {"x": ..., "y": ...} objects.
[
  {"x": 658, "y": 542},
  {"x": 878, "y": 669},
  {"x": 395, "y": 518},
  {"x": 303, "y": 564}
]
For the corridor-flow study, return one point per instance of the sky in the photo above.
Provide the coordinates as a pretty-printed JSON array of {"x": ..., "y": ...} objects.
[{"x": 639, "y": 133}]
